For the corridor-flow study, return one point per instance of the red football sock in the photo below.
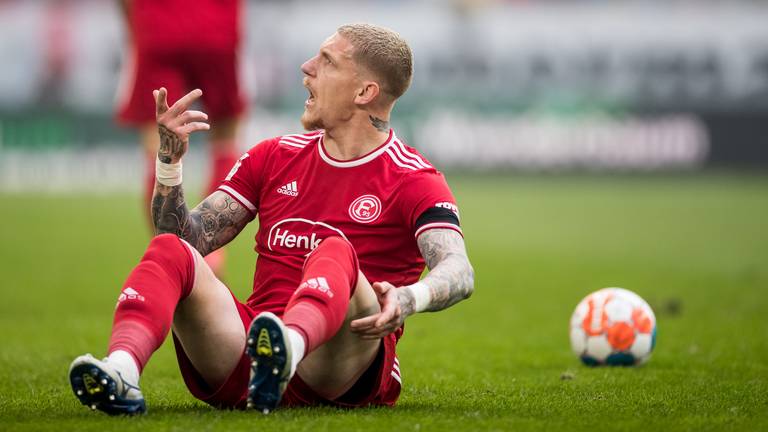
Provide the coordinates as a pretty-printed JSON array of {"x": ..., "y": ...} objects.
[
  {"x": 318, "y": 307},
  {"x": 221, "y": 163},
  {"x": 149, "y": 297}
]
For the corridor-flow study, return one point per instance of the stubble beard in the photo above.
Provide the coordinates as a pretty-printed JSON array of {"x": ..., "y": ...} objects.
[{"x": 310, "y": 122}]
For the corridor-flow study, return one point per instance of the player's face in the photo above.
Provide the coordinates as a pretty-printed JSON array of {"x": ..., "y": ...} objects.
[{"x": 332, "y": 80}]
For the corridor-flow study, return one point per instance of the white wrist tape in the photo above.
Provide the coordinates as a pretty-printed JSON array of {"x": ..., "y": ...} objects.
[
  {"x": 168, "y": 174},
  {"x": 421, "y": 296}
]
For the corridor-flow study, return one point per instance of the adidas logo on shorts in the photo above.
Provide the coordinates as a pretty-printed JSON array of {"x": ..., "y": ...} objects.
[{"x": 289, "y": 189}]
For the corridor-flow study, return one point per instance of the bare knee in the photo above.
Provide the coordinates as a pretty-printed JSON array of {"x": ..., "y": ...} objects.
[{"x": 363, "y": 301}]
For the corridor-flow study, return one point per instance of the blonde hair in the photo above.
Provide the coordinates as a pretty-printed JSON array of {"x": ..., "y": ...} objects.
[{"x": 384, "y": 53}]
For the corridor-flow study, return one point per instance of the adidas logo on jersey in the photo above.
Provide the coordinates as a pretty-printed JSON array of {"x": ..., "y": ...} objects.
[{"x": 289, "y": 189}]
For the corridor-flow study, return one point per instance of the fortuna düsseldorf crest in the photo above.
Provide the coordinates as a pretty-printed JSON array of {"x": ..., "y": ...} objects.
[{"x": 365, "y": 209}]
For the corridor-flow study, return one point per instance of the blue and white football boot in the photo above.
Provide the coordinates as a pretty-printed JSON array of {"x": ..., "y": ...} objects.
[
  {"x": 98, "y": 385},
  {"x": 268, "y": 348}
]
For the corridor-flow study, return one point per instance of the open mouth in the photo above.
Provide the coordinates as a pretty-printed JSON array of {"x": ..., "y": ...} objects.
[{"x": 311, "y": 99}]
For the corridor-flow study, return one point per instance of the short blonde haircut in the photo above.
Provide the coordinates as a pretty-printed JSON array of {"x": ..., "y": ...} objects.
[{"x": 384, "y": 53}]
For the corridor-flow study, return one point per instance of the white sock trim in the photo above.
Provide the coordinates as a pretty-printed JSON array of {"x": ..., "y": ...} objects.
[
  {"x": 297, "y": 348},
  {"x": 126, "y": 365},
  {"x": 168, "y": 174}
]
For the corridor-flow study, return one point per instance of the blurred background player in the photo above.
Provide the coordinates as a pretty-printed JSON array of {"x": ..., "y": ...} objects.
[{"x": 181, "y": 46}]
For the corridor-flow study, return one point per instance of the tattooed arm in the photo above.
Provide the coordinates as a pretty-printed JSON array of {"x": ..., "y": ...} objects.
[
  {"x": 207, "y": 227},
  {"x": 216, "y": 220},
  {"x": 451, "y": 277},
  {"x": 450, "y": 280}
]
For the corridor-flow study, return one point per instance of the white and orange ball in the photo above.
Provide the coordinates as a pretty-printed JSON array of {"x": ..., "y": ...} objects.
[{"x": 613, "y": 326}]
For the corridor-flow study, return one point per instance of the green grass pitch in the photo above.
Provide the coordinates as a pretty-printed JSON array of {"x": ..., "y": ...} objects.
[{"x": 695, "y": 246}]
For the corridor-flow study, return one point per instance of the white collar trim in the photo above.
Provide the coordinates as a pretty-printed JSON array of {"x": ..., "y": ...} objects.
[{"x": 355, "y": 162}]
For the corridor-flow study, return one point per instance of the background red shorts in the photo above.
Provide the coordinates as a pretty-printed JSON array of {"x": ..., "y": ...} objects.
[
  {"x": 379, "y": 385},
  {"x": 213, "y": 70}
]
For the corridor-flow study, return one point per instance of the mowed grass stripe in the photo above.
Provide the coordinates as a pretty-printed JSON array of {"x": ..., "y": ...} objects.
[{"x": 695, "y": 246}]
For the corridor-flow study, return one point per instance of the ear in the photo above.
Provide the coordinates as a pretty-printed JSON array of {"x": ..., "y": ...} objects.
[{"x": 367, "y": 93}]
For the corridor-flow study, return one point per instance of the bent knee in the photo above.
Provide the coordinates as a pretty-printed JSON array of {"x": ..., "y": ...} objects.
[
  {"x": 173, "y": 256},
  {"x": 363, "y": 302},
  {"x": 340, "y": 250},
  {"x": 165, "y": 240},
  {"x": 165, "y": 245}
]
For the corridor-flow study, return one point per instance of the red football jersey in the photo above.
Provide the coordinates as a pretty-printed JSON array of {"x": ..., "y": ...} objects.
[
  {"x": 160, "y": 25},
  {"x": 302, "y": 195}
]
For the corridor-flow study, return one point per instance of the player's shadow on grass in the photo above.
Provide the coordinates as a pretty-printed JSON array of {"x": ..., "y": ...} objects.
[
  {"x": 305, "y": 412},
  {"x": 183, "y": 410}
]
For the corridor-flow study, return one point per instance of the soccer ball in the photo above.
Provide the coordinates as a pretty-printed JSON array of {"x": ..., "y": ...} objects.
[{"x": 613, "y": 326}]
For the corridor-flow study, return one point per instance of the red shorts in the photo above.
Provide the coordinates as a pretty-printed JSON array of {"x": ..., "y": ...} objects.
[
  {"x": 379, "y": 385},
  {"x": 214, "y": 71}
]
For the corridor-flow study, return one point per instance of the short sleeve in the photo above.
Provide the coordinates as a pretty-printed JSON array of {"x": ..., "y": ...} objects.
[
  {"x": 244, "y": 181},
  {"x": 428, "y": 203}
]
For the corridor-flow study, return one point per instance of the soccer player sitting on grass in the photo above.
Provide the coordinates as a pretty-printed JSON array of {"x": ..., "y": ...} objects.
[{"x": 342, "y": 205}]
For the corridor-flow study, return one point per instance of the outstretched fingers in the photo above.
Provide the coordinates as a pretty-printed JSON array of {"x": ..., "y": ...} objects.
[
  {"x": 193, "y": 127},
  {"x": 177, "y": 118},
  {"x": 187, "y": 117},
  {"x": 364, "y": 324},
  {"x": 378, "y": 332},
  {"x": 185, "y": 102}
]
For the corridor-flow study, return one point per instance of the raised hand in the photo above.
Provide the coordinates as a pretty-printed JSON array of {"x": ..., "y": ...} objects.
[{"x": 176, "y": 123}]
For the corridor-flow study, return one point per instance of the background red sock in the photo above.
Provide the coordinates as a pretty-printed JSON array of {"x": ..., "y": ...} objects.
[
  {"x": 318, "y": 307},
  {"x": 221, "y": 163},
  {"x": 149, "y": 297}
]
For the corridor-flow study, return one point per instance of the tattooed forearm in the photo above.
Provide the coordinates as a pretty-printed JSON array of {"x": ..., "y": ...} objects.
[
  {"x": 169, "y": 211},
  {"x": 172, "y": 147},
  {"x": 451, "y": 277},
  {"x": 207, "y": 227},
  {"x": 379, "y": 124}
]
